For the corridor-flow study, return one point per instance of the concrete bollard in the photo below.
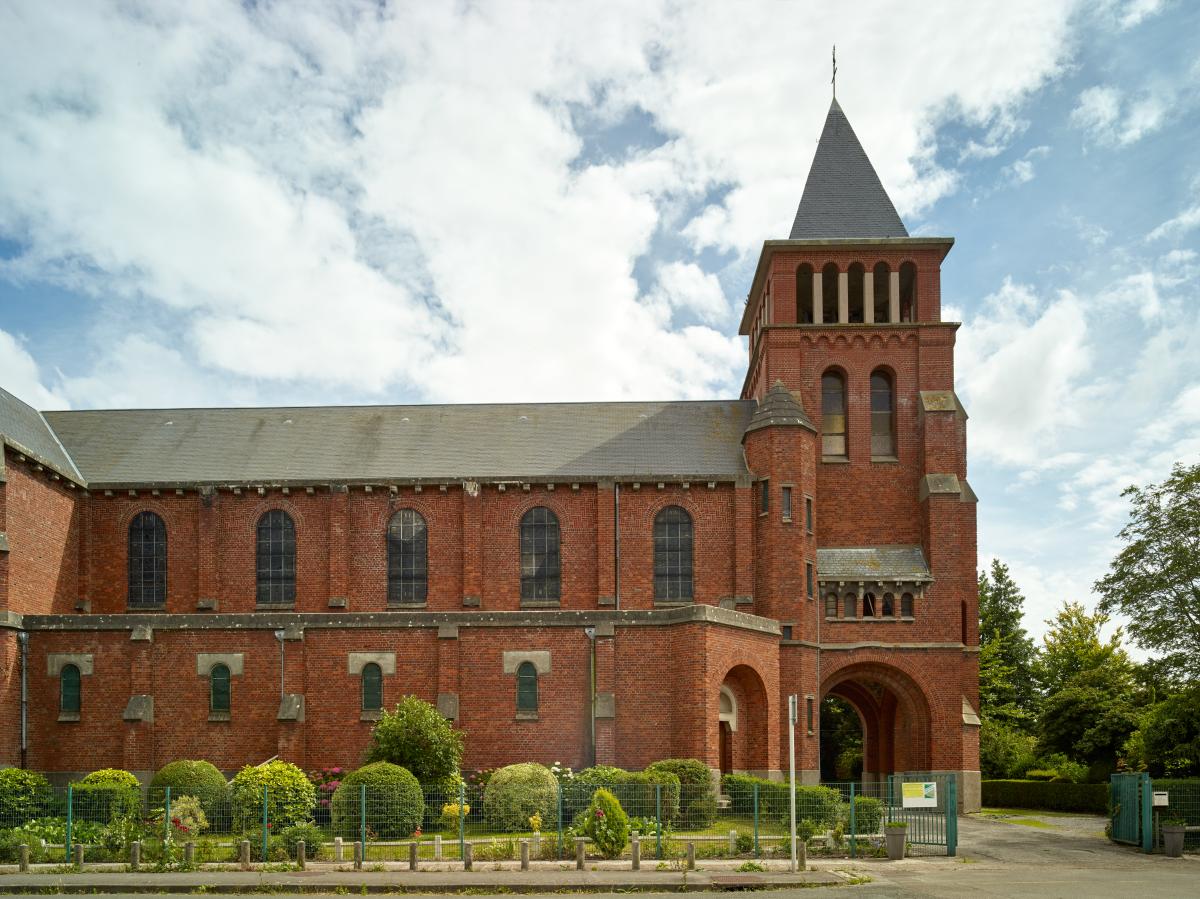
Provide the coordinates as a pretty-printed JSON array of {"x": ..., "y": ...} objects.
[
  {"x": 244, "y": 855},
  {"x": 468, "y": 856},
  {"x": 79, "y": 855},
  {"x": 412, "y": 855},
  {"x": 23, "y": 858},
  {"x": 437, "y": 847},
  {"x": 691, "y": 856},
  {"x": 635, "y": 850},
  {"x": 733, "y": 842},
  {"x": 802, "y": 855},
  {"x": 358, "y": 855},
  {"x": 537, "y": 846},
  {"x": 301, "y": 850},
  {"x": 524, "y": 855},
  {"x": 189, "y": 854},
  {"x": 337, "y": 850},
  {"x": 580, "y": 849},
  {"x": 135, "y": 855}
]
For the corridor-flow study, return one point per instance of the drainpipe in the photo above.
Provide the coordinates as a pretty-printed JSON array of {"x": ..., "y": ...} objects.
[
  {"x": 820, "y": 604},
  {"x": 279, "y": 637},
  {"x": 591, "y": 635},
  {"x": 617, "y": 544},
  {"x": 23, "y": 639}
]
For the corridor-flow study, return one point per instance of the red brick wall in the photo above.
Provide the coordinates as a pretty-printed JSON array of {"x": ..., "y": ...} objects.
[{"x": 43, "y": 557}]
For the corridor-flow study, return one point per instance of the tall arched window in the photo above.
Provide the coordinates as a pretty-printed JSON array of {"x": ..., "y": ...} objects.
[
  {"x": 856, "y": 281},
  {"x": 218, "y": 689},
  {"x": 906, "y": 605},
  {"x": 829, "y": 294},
  {"x": 889, "y": 606},
  {"x": 70, "y": 697},
  {"x": 908, "y": 292},
  {"x": 407, "y": 555},
  {"x": 804, "y": 294},
  {"x": 147, "y": 561},
  {"x": 882, "y": 285},
  {"x": 527, "y": 687},
  {"x": 883, "y": 415},
  {"x": 850, "y": 605},
  {"x": 673, "y": 554},
  {"x": 833, "y": 414},
  {"x": 372, "y": 687},
  {"x": 831, "y": 605},
  {"x": 541, "y": 566},
  {"x": 276, "y": 559}
]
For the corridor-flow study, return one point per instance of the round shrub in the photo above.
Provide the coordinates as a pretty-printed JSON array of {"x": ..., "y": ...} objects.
[
  {"x": 697, "y": 798},
  {"x": 24, "y": 795},
  {"x": 417, "y": 736},
  {"x": 868, "y": 815},
  {"x": 112, "y": 777},
  {"x": 312, "y": 836},
  {"x": 290, "y": 795},
  {"x": 195, "y": 778},
  {"x": 515, "y": 793},
  {"x": 606, "y": 824},
  {"x": 395, "y": 804}
]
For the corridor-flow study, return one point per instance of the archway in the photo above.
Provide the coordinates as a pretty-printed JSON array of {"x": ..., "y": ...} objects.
[
  {"x": 742, "y": 722},
  {"x": 894, "y": 716}
]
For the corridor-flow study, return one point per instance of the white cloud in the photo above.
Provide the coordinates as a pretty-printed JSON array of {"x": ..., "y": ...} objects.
[
  {"x": 1110, "y": 118},
  {"x": 19, "y": 375},
  {"x": 1180, "y": 224},
  {"x": 1022, "y": 171},
  {"x": 684, "y": 286}
]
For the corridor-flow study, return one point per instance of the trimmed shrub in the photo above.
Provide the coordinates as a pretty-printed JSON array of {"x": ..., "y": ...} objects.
[
  {"x": 868, "y": 815},
  {"x": 290, "y": 795},
  {"x": 104, "y": 802},
  {"x": 1184, "y": 796},
  {"x": 112, "y": 777},
  {"x": 640, "y": 792},
  {"x": 822, "y": 805},
  {"x": 276, "y": 852},
  {"x": 395, "y": 804},
  {"x": 195, "y": 778},
  {"x": 606, "y": 824},
  {"x": 312, "y": 836},
  {"x": 697, "y": 798},
  {"x": 188, "y": 815},
  {"x": 1037, "y": 794},
  {"x": 517, "y": 792},
  {"x": 417, "y": 737},
  {"x": 24, "y": 795}
]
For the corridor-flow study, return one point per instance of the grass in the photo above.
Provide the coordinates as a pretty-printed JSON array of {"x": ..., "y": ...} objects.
[{"x": 1026, "y": 812}]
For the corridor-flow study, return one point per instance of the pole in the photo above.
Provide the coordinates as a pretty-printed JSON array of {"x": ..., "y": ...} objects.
[
  {"x": 265, "y": 822},
  {"x": 792, "y": 714},
  {"x": 658, "y": 817},
  {"x": 167, "y": 816},
  {"x": 70, "y": 821},
  {"x": 462, "y": 822},
  {"x": 362, "y": 818},
  {"x": 560, "y": 821},
  {"x": 853, "y": 825},
  {"x": 756, "y": 850}
]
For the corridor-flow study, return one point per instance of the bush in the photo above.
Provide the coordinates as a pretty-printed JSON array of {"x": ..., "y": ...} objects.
[
  {"x": 24, "y": 795},
  {"x": 606, "y": 824},
  {"x": 10, "y": 841},
  {"x": 290, "y": 795},
  {"x": 638, "y": 791},
  {"x": 104, "y": 802},
  {"x": 697, "y": 798},
  {"x": 823, "y": 805},
  {"x": 868, "y": 815},
  {"x": 1004, "y": 751},
  {"x": 395, "y": 804},
  {"x": 276, "y": 851},
  {"x": 312, "y": 836},
  {"x": 112, "y": 777},
  {"x": 187, "y": 811},
  {"x": 417, "y": 737},
  {"x": 517, "y": 792},
  {"x": 1062, "y": 797},
  {"x": 1184, "y": 796},
  {"x": 199, "y": 779}
]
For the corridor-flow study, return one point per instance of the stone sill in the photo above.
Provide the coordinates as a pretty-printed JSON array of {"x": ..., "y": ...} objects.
[
  {"x": 370, "y": 715},
  {"x": 673, "y": 603},
  {"x": 541, "y": 603},
  {"x": 895, "y": 460},
  {"x": 219, "y": 716},
  {"x": 526, "y": 716},
  {"x": 275, "y": 607},
  {"x": 889, "y": 620},
  {"x": 401, "y": 606},
  {"x": 835, "y": 460},
  {"x": 149, "y": 610},
  {"x": 68, "y": 716}
]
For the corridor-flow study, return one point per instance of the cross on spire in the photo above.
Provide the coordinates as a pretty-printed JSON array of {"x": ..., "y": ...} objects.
[{"x": 834, "y": 82}]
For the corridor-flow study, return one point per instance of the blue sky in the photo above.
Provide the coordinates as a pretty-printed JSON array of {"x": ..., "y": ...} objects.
[{"x": 218, "y": 203}]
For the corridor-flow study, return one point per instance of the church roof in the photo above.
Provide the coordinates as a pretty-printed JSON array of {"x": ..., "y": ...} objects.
[
  {"x": 887, "y": 564},
  {"x": 780, "y": 408},
  {"x": 25, "y": 430},
  {"x": 843, "y": 197},
  {"x": 373, "y": 444}
]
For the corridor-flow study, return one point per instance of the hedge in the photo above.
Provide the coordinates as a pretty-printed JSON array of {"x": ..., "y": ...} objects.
[
  {"x": 697, "y": 799},
  {"x": 395, "y": 804},
  {"x": 1037, "y": 794},
  {"x": 516, "y": 793},
  {"x": 639, "y": 792},
  {"x": 821, "y": 805},
  {"x": 1184, "y": 796},
  {"x": 201, "y": 779}
]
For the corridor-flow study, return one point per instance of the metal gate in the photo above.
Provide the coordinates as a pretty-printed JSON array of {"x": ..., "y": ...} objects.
[
  {"x": 1130, "y": 798},
  {"x": 929, "y": 806}
]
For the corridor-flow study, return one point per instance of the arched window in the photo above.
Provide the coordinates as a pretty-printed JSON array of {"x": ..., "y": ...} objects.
[
  {"x": 889, "y": 606},
  {"x": 147, "y": 561},
  {"x": 541, "y": 566},
  {"x": 856, "y": 283},
  {"x": 963, "y": 613},
  {"x": 276, "y": 559},
  {"x": 829, "y": 294},
  {"x": 70, "y": 697},
  {"x": 673, "y": 554},
  {"x": 908, "y": 292},
  {"x": 869, "y": 607},
  {"x": 407, "y": 554},
  {"x": 831, "y": 605},
  {"x": 850, "y": 606},
  {"x": 804, "y": 294},
  {"x": 882, "y": 285},
  {"x": 883, "y": 415},
  {"x": 527, "y": 687},
  {"x": 218, "y": 689},
  {"x": 833, "y": 414},
  {"x": 906, "y": 605},
  {"x": 372, "y": 687}
]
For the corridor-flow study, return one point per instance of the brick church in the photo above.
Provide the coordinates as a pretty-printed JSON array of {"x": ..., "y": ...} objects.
[{"x": 584, "y": 582}]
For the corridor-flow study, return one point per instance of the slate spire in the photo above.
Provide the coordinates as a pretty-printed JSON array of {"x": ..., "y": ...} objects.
[{"x": 843, "y": 197}]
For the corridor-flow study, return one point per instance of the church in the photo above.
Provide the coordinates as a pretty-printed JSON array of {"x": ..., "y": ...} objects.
[{"x": 585, "y": 583}]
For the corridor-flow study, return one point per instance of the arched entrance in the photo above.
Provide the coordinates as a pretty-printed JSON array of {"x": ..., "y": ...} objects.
[
  {"x": 894, "y": 716},
  {"x": 742, "y": 722}
]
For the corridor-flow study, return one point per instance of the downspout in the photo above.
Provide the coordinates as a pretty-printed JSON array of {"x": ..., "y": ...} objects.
[
  {"x": 23, "y": 639},
  {"x": 279, "y": 635},
  {"x": 590, "y": 632},
  {"x": 817, "y": 712},
  {"x": 617, "y": 544}
]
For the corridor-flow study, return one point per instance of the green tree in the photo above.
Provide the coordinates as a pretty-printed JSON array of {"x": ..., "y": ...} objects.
[
  {"x": 417, "y": 737},
  {"x": 1001, "y": 607},
  {"x": 1155, "y": 580},
  {"x": 1167, "y": 740},
  {"x": 999, "y": 698}
]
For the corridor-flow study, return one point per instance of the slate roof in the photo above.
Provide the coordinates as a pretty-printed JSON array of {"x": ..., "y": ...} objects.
[
  {"x": 873, "y": 563},
  {"x": 780, "y": 408},
  {"x": 843, "y": 197},
  {"x": 357, "y": 444},
  {"x": 24, "y": 429}
]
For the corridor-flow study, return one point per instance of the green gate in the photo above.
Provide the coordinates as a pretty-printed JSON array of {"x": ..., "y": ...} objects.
[
  {"x": 1130, "y": 797},
  {"x": 929, "y": 806}
]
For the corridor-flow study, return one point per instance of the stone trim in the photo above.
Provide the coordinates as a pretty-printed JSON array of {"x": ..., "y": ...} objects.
[
  {"x": 3, "y": 542},
  {"x": 142, "y": 633},
  {"x": 56, "y": 661},
  {"x": 968, "y": 713},
  {"x": 838, "y": 647},
  {"x": 11, "y": 620},
  {"x": 539, "y": 657},
  {"x": 291, "y": 707},
  {"x": 139, "y": 708},
  {"x": 447, "y": 631},
  {"x": 606, "y": 705},
  {"x": 356, "y": 661},
  {"x": 447, "y": 705},
  {"x": 206, "y": 661},
  {"x": 606, "y": 629}
]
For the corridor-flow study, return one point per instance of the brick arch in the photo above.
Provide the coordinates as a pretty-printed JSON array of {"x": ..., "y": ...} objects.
[
  {"x": 383, "y": 517},
  {"x": 650, "y": 512},
  {"x": 750, "y": 743},
  {"x": 896, "y": 713},
  {"x": 565, "y": 517},
  {"x": 270, "y": 505},
  {"x": 137, "y": 508}
]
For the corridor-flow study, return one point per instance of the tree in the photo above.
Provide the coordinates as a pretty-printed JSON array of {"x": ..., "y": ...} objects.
[
  {"x": 1155, "y": 580},
  {"x": 1001, "y": 607},
  {"x": 1167, "y": 741},
  {"x": 998, "y": 695},
  {"x": 1073, "y": 645},
  {"x": 417, "y": 737}
]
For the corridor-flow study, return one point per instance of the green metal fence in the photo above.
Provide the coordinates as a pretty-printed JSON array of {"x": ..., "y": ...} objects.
[{"x": 1139, "y": 806}]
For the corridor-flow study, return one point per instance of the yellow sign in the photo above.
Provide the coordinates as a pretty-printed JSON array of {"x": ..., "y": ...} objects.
[{"x": 919, "y": 795}]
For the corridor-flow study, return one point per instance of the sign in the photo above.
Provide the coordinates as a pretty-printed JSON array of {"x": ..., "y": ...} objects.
[
  {"x": 919, "y": 795},
  {"x": 1160, "y": 798}
]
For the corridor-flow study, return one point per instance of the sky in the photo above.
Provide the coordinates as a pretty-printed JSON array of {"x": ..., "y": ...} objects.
[{"x": 214, "y": 203}]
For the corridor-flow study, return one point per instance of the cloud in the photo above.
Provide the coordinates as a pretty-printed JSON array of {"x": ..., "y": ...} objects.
[
  {"x": 1110, "y": 118},
  {"x": 1022, "y": 171},
  {"x": 1178, "y": 225},
  {"x": 19, "y": 375}
]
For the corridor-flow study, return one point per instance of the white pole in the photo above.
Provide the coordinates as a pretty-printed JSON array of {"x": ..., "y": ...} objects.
[{"x": 793, "y": 704}]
